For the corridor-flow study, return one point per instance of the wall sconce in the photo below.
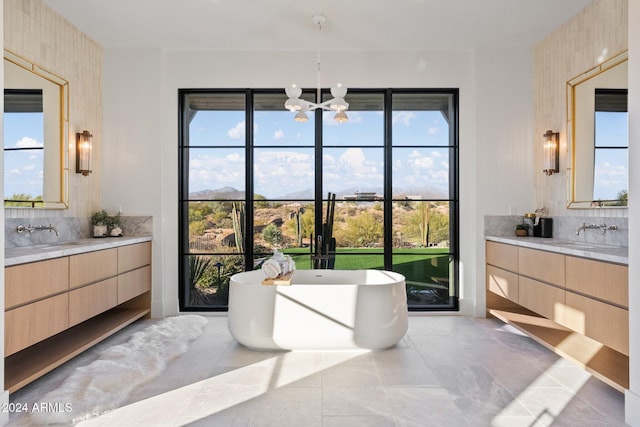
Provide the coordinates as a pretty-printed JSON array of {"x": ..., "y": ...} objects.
[
  {"x": 551, "y": 152},
  {"x": 83, "y": 152}
]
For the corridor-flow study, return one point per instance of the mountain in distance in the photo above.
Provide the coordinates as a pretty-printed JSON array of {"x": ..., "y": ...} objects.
[
  {"x": 224, "y": 193},
  {"x": 231, "y": 193}
]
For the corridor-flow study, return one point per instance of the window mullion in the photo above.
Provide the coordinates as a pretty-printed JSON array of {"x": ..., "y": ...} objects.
[
  {"x": 388, "y": 182},
  {"x": 318, "y": 171},
  {"x": 248, "y": 197}
]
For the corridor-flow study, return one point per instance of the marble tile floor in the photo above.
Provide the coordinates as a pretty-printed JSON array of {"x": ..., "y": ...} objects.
[{"x": 447, "y": 371}]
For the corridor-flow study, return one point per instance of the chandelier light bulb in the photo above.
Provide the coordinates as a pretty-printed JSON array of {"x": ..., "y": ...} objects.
[
  {"x": 341, "y": 117},
  {"x": 301, "y": 117}
]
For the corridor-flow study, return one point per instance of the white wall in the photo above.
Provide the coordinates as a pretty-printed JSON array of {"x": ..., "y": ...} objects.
[
  {"x": 133, "y": 150},
  {"x": 141, "y": 119},
  {"x": 632, "y": 397},
  {"x": 504, "y": 149}
]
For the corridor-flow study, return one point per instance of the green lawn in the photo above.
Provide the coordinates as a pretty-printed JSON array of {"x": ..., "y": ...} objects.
[{"x": 426, "y": 270}]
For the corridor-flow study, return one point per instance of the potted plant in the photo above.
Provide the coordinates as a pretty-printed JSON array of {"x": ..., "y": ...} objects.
[
  {"x": 522, "y": 230},
  {"x": 100, "y": 221},
  {"x": 114, "y": 226}
]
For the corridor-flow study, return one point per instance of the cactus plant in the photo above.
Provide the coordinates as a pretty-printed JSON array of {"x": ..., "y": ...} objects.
[{"x": 238, "y": 219}]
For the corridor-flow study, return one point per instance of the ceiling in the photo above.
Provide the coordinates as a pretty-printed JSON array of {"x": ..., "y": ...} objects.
[{"x": 286, "y": 25}]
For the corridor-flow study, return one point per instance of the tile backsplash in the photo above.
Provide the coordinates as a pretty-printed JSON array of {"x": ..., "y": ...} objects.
[
  {"x": 565, "y": 228},
  {"x": 69, "y": 228}
]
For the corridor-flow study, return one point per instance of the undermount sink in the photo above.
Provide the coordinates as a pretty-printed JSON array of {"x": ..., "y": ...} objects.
[
  {"x": 582, "y": 245},
  {"x": 58, "y": 244}
]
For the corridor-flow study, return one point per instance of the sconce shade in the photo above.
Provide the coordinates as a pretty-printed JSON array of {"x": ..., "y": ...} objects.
[
  {"x": 551, "y": 150},
  {"x": 83, "y": 152}
]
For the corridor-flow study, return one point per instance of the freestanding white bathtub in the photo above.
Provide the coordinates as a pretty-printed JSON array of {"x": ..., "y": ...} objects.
[{"x": 320, "y": 310}]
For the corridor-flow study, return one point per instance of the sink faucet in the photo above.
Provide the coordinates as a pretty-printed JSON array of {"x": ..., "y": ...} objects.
[
  {"x": 30, "y": 228},
  {"x": 604, "y": 227}
]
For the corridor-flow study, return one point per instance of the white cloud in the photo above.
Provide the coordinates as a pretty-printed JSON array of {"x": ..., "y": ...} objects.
[
  {"x": 27, "y": 142},
  {"x": 404, "y": 117},
  {"x": 421, "y": 163},
  {"x": 207, "y": 171},
  {"x": 281, "y": 172},
  {"x": 354, "y": 164},
  {"x": 279, "y": 134},
  {"x": 237, "y": 132},
  {"x": 433, "y": 130}
]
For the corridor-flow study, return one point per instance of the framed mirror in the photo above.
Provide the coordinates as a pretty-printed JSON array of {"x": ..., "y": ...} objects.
[
  {"x": 597, "y": 134},
  {"x": 36, "y": 155}
]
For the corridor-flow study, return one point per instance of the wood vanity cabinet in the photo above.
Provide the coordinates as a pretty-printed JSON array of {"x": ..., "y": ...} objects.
[
  {"x": 598, "y": 301},
  {"x": 57, "y": 308},
  {"x": 577, "y": 307},
  {"x": 502, "y": 265}
]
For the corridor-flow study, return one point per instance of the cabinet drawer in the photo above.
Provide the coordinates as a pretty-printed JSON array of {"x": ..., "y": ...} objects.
[
  {"x": 92, "y": 266},
  {"x": 602, "y": 322},
  {"x": 545, "y": 266},
  {"x": 29, "y": 282},
  {"x": 89, "y": 301},
  {"x": 134, "y": 256},
  {"x": 502, "y": 255},
  {"x": 134, "y": 283},
  {"x": 603, "y": 280},
  {"x": 34, "y": 322},
  {"x": 503, "y": 283},
  {"x": 541, "y": 298}
]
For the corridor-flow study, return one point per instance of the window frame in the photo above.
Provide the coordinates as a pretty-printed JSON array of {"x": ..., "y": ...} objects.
[{"x": 319, "y": 196}]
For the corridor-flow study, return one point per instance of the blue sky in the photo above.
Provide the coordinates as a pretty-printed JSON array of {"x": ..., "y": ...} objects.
[
  {"x": 284, "y": 155},
  {"x": 23, "y": 170},
  {"x": 611, "y": 171}
]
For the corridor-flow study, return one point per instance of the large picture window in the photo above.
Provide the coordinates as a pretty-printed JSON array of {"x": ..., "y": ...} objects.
[{"x": 253, "y": 180}]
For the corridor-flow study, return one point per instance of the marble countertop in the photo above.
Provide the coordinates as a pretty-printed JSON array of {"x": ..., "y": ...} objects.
[
  {"x": 25, "y": 254},
  {"x": 597, "y": 251}
]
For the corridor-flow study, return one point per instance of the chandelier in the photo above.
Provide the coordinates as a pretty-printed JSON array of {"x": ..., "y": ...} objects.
[{"x": 301, "y": 106}]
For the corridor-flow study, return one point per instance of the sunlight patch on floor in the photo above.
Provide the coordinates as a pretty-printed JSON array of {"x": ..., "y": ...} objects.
[
  {"x": 545, "y": 398},
  {"x": 216, "y": 394}
]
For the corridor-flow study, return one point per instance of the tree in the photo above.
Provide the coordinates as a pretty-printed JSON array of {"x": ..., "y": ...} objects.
[
  {"x": 306, "y": 223},
  {"x": 426, "y": 224},
  {"x": 364, "y": 229},
  {"x": 272, "y": 234}
]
